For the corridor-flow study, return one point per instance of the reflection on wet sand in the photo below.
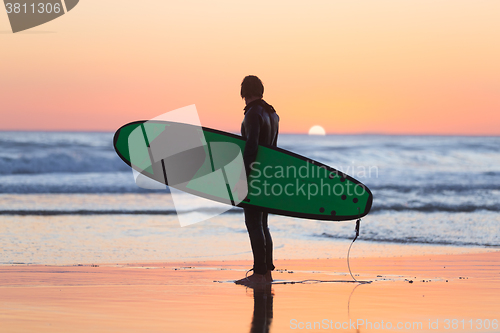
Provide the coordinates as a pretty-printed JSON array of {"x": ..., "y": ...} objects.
[
  {"x": 263, "y": 297},
  {"x": 262, "y": 309},
  {"x": 201, "y": 297}
]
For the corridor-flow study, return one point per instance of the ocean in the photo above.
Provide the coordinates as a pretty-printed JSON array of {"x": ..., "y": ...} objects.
[{"x": 67, "y": 198}]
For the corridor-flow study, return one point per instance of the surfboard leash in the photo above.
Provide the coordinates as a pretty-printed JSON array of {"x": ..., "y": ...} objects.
[
  {"x": 356, "y": 229},
  {"x": 358, "y": 222}
]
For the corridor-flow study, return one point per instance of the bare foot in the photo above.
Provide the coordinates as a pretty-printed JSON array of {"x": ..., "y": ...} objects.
[
  {"x": 252, "y": 280},
  {"x": 268, "y": 277}
]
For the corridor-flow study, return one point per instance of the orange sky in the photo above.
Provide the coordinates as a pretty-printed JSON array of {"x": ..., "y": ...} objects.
[{"x": 385, "y": 66}]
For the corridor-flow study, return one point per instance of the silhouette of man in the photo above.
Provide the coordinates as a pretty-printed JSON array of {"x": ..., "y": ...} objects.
[{"x": 260, "y": 126}]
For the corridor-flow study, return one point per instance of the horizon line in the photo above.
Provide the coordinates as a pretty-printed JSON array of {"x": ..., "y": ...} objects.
[{"x": 288, "y": 133}]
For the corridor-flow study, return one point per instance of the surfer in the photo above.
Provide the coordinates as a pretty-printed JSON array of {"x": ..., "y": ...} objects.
[{"x": 260, "y": 126}]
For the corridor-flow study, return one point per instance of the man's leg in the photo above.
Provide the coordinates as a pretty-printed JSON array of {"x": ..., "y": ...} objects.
[
  {"x": 253, "y": 222},
  {"x": 269, "y": 249},
  {"x": 269, "y": 243}
]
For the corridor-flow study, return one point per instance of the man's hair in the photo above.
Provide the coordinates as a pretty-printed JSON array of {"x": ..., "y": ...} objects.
[{"x": 252, "y": 87}]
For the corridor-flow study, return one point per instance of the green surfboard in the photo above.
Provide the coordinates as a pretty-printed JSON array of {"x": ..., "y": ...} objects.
[{"x": 205, "y": 164}]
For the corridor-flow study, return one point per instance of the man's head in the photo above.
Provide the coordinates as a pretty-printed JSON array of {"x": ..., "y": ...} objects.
[{"x": 252, "y": 87}]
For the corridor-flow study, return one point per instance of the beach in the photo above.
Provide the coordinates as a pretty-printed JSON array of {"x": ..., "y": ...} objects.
[
  {"x": 438, "y": 293},
  {"x": 83, "y": 248},
  {"x": 133, "y": 136}
]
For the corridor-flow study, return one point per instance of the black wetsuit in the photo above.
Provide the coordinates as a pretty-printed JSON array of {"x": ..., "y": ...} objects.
[{"x": 260, "y": 126}]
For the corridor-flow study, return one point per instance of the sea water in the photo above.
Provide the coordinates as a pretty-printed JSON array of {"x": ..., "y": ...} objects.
[{"x": 67, "y": 198}]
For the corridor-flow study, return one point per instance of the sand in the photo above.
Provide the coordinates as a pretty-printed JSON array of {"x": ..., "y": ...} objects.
[{"x": 438, "y": 293}]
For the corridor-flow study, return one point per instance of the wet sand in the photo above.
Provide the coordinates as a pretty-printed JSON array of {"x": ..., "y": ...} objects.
[{"x": 438, "y": 293}]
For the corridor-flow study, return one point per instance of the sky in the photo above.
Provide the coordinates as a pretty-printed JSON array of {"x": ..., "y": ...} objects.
[{"x": 384, "y": 66}]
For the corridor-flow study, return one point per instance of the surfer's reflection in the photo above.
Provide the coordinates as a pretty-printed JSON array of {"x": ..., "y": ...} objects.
[
  {"x": 262, "y": 309},
  {"x": 263, "y": 306}
]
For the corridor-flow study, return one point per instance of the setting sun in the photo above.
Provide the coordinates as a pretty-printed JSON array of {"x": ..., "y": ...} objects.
[{"x": 317, "y": 130}]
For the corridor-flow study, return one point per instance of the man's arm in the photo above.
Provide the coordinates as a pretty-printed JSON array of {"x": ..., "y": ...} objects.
[{"x": 252, "y": 129}]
